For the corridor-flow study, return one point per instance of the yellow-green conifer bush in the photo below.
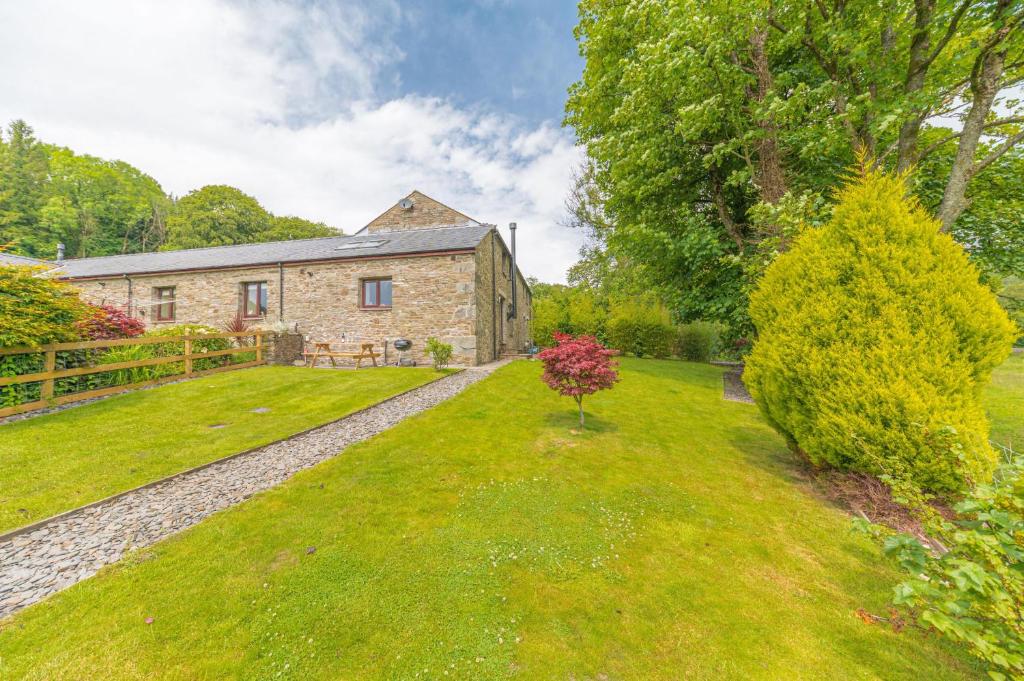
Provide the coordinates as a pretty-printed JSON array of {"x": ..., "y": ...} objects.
[{"x": 875, "y": 338}]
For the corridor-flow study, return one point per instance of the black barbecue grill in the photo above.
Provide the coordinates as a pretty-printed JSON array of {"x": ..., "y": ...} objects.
[{"x": 403, "y": 345}]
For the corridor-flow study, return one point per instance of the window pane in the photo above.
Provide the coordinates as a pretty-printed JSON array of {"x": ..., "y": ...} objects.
[
  {"x": 251, "y": 304},
  {"x": 385, "y": 292},
  {"x": 263, "y": 299},
  {"x": 164, "y": 310},
  {"x": 369, "y": 293}
]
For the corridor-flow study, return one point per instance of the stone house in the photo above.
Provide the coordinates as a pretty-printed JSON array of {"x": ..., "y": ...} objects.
[{"x": 420, "y": 269}]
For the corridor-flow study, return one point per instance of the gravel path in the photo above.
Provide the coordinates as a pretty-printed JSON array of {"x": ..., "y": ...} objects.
[
  {"x": 72, "y": 547},
  {"x": 733, "y": 387}
]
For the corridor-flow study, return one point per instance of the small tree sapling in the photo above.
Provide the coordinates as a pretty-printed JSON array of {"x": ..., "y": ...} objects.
[{"x": 578, "y": 366}]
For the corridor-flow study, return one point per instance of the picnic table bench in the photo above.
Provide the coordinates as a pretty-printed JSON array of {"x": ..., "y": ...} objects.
[{"x": 324, "y": 350}]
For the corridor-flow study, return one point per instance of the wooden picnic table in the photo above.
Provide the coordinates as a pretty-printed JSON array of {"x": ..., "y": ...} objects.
[{"x": 325, "y": 350}]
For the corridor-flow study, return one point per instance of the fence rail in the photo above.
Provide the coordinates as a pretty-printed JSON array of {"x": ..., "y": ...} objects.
[{"x": 51, "y": 374}]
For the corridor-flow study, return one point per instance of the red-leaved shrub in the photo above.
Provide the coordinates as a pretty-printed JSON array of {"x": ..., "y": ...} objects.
[
  {"x": 110, "y": 323},
  {"x": 578, "y": 366}
]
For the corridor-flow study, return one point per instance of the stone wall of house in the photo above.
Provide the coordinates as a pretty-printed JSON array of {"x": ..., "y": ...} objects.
[
  {"x": 424, "y": 213},
  {"x": 496, "y": 333},
  {"x": 211, "y": 297},
  {"x": 432, "y": 296}
]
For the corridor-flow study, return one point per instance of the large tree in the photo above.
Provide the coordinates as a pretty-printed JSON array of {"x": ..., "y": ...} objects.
[
  {"x": 284, "y": 228},
  {"x": 716, "y": 126},
  {"x": 51, "y": 195},
  {"x": 216, "y": 215},
  {"x": 98, "y": 207},
  {"x": 23, "y": 175}
]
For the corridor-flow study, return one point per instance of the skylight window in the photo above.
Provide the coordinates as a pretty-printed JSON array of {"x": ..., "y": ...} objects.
[{"x": 361, "y": 244}]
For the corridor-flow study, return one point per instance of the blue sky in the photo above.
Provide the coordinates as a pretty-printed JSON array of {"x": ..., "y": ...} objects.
[
  {"x": 328, "y": 110},
  {"x": 515, "y": 56}
]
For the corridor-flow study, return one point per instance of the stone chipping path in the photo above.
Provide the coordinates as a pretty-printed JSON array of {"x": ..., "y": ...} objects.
[{"x": 71, "y": 547}]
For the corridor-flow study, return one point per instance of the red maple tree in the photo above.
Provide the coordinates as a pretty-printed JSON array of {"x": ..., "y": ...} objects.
[
  {"x": 107, "y": 322},
  {"x": 578, "y": 366}
]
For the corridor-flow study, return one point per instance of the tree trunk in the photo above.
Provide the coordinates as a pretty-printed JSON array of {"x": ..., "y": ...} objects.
[
  {"x": 920, "y": 46},
  {"x": 771, "y": 180},
  {"x": 985, "y": 77},
  {"x": 718, "y": 198},
  {"x": 579, "y": 403}
]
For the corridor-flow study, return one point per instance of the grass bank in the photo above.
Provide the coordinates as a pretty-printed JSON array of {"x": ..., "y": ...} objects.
[
  {"x": 1004, "y": 401},
  {"x": 55, "y": 462},
  {"x": 484, "y": 540}
]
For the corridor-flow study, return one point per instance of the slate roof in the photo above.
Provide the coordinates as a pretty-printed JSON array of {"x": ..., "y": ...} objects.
[
  {"x": 446, "y": 238},
  {"x": 12, "y": 259}
]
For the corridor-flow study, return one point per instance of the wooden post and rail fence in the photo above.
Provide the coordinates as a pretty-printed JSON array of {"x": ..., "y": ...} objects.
[{"x": 50, "y": 374}]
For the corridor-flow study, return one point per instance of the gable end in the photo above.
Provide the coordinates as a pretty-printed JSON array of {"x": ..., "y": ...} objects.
[{"x": 417, "y": 211}]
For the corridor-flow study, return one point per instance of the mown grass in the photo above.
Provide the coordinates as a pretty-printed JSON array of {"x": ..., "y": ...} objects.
[
  {"x": 1004, "y": 401},
  {"x": 486, "y": 540},
  {"x": 56, "y": 462}
]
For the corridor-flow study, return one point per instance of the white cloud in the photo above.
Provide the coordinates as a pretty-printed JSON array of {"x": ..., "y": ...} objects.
[{"x": 279, "y": 100}]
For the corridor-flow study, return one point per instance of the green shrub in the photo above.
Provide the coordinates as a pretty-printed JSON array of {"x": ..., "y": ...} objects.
[
  {"x": 971, "y": 589},
  {"x": 131, "y": 353},
  {"x": 172, "y": 348},
  {"x": 640, "y": 327},
  {"x": 875, "y": 339},
  {"x": 440, "y": 353},
  {"x": 35, "y": 310},
  {"x": 562, "y": 309},
  {"x": 642, "y": 337},
  {"x": 696, "y": 341},
  {"x": 549, "y": 317}
]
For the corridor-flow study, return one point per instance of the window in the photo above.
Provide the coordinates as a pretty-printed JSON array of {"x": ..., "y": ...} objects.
[
  {"x": 375, "y": 293},
  {"x": 254, "y": 300},
  {"x": 361, "y": 244},
  {"x": 163, "y": 310}
]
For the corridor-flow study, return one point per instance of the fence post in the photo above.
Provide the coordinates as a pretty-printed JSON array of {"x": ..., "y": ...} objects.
[
  {"x": 188, "y": 355},
  {"x": 259, "y": 347},
  {"x": 49, "y": 366}
]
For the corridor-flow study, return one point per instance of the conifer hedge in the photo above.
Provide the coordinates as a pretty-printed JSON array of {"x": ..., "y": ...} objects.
[{"x": 875, "y": 339}]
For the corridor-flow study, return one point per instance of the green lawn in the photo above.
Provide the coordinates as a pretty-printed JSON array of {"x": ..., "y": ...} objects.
[
  {"x": 1005, "y": 403},
  {"x": 485, "y": 540},
  {"x": 56, "y": 462}
]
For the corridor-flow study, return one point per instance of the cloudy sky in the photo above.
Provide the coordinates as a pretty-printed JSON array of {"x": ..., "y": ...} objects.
[{"x": 327, "y": 110}]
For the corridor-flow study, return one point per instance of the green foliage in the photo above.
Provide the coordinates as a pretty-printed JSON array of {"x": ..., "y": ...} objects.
[
  {"x": 216, "y": 215},
  {"x": 641, "y": 330},
  {"x": 285, "y": 228},
  {"x": 992, "y": 225},
  {"x": 549, "y": 317},
  {"x": 440, "y": 353},
  {"x": 968, "y": 582},
  {"x": 35, "y": 310},
  {"x": 697, "y": 341},
  {"x": 1011, "y": 297},
  {"x": 574, "y": 310},
  {"x": 23, "y": 171},
  {"x": 50, "y": 195},
  {"x": 93, "y": 206},
  {"x": 875, "y": 340},
  {"x": 711, "y": 124},
  {"x": 132, "y": 353},
  {"x": 200, "y": 345}
]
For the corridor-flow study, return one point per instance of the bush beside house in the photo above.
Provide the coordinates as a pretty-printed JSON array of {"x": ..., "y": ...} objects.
[{"x": 874, "y": 340}]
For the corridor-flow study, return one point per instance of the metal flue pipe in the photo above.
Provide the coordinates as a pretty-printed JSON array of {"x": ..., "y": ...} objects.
[{"x": 515, "y": 308}]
